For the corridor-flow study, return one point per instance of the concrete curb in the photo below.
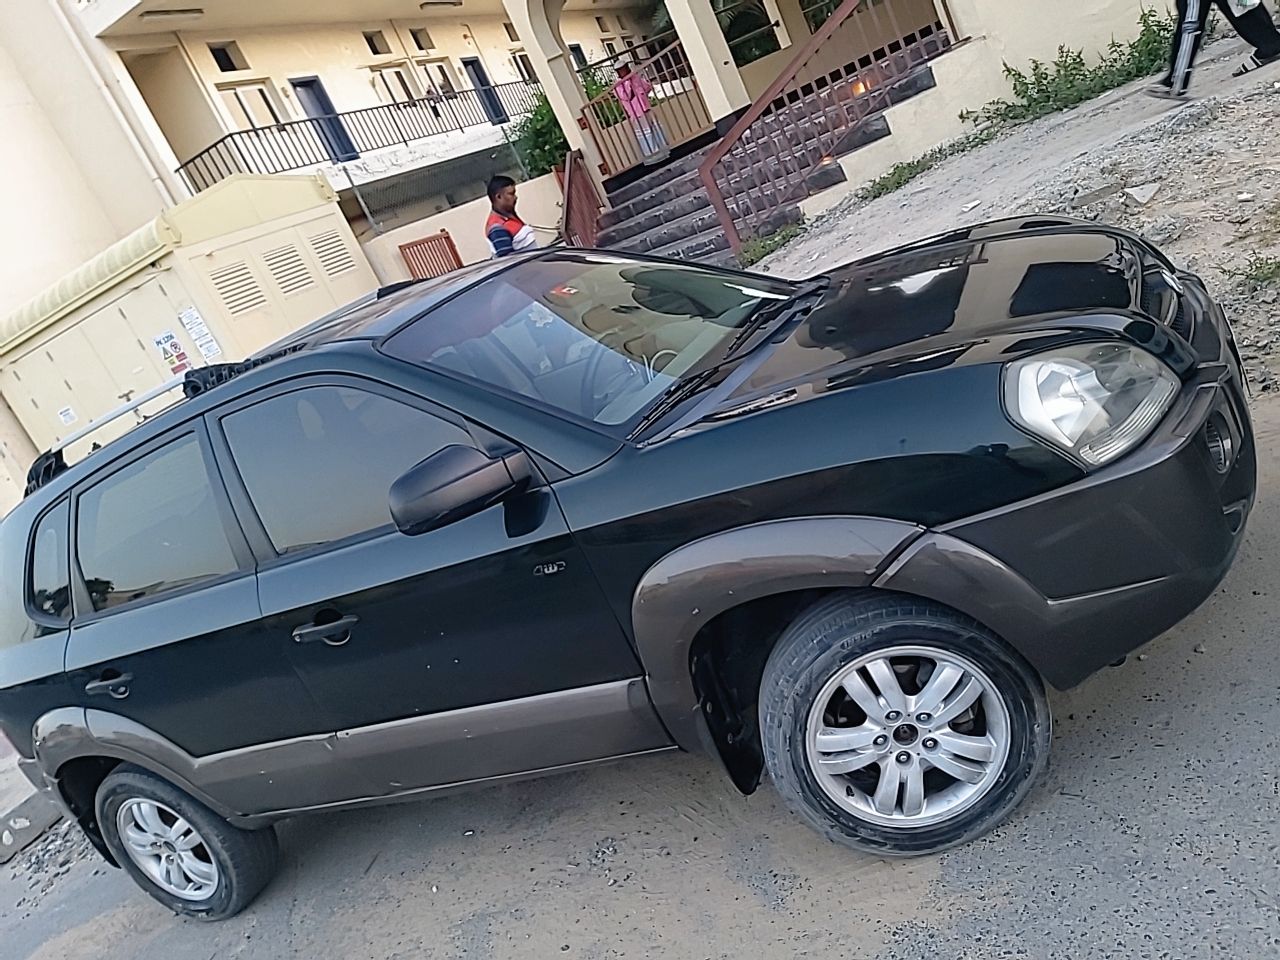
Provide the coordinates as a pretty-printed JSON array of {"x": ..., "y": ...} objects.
[{"x": 25, "y": 823}]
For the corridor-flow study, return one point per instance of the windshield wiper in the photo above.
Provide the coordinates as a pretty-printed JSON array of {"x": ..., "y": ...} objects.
[
  {"x": 779, "y": 314},
  {"x": 678, "y": 393}
]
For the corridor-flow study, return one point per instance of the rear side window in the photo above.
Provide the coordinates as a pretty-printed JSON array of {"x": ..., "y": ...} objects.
[
  {"x": 152, "y": 527},
  {"x": 49, "y": 581},
  {"x": 318, "y": 463}
]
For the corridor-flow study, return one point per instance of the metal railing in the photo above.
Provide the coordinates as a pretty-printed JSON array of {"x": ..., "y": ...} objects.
[
  {"x": 677, "y": 113},
  {"x": 338, "y": 137},
  {"x": 580, "y": 212},
  {"x": 864, "y": 57}
]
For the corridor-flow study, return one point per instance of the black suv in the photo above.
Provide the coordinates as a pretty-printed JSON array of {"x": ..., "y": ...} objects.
[{"x": 577, "y": 506}]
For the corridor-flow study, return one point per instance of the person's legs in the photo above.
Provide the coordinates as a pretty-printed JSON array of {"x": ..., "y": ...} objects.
[
  {"x": 1192, "y": 17},
  {"x": 1259, "y": 30}
]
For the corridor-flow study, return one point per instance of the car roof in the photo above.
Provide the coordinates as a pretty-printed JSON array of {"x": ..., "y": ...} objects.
[{"x": 381, "y": 313}]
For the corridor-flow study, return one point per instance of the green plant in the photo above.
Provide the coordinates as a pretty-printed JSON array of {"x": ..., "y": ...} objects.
[
  {"x": 1044, "y": 89},
  {"x": 1069, "y": 80},
  {"x": 742, "y": 22},
  {"x": 900, "y": 174},
  {"x": 538, "y": 137},
  {"x": 756, "y": 249},
  {"x": 539, "y": 140},
  {"x": 1259, "y": 270}
]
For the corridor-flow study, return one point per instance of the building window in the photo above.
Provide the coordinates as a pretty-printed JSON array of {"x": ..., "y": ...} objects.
[
  {"x": 524, "y": 67},
  {"x": 228, "y": 56},
  {"x": 439, "y": 77},
  {"x": 377, "y": 41},
  {"x": 601, "y": 24},
  {"x": 251, "y": 105},
  {"x": 511, "y": 32},
  {"x": 392, "y": 84},
  {"x": 421, "y": 39},
  {"x": 579, "y": 58},
  {"x": 611, "y": 48}
]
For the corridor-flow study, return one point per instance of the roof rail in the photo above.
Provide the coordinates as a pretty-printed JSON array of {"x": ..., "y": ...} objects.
[{"x": 193, "y": 383}]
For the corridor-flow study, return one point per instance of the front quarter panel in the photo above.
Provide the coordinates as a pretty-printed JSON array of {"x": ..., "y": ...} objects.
[{"x": 689, "y": 587}]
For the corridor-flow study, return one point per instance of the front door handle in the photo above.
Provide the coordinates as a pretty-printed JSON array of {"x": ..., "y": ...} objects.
[
  {"x": 334, "y": 634},
  {"x": 116, "y": 686}
]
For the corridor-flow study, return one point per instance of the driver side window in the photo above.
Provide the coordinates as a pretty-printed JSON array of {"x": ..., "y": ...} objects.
[{"x": 318, "y": 462}]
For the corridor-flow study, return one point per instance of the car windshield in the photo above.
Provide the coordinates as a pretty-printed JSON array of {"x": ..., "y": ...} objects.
[{"x": 593, "y": 335}]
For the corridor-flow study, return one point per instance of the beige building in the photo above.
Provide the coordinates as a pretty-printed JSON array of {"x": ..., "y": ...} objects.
[{"x": 119, "y": 112}]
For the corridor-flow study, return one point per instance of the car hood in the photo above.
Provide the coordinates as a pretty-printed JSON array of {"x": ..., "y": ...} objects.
[{"x": 971, "y": 296}]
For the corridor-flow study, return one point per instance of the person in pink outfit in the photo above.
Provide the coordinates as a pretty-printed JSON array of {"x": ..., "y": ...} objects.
[{"x": 632, "y": 91}]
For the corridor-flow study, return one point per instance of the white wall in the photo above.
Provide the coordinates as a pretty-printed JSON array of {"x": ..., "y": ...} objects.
[{"x": 538, "y": 202}]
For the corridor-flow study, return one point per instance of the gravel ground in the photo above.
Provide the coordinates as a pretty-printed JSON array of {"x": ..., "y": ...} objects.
[{"x": 1201, "y": 179}]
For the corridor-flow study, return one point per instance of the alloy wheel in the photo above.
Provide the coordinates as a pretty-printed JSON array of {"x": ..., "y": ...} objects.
[
  {"x": 168, "y": 849},
  {"x": 908, "y": 736}
]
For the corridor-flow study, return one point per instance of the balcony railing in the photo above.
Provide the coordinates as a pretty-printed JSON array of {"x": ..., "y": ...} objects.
[{"x": 339, "y": 137}]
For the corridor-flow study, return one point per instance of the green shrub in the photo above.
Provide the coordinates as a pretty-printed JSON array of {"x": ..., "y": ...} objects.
[
  {"x": 1044, "y": 89},
  {"x": 755, "y": 249},
  {"x": 1070, "y": 80},
  {"x": 538, "y": 138}
]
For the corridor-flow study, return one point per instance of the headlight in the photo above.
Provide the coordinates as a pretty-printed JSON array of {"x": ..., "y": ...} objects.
[{"x": 1095, "y": 400}]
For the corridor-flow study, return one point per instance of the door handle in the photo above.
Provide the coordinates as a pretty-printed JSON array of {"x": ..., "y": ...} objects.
[
  {"x": 117, "y": 687},
  {"x": 333, "y": 634}
]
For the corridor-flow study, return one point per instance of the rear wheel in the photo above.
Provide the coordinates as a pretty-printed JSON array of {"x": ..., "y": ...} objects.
[
  {"x": 898, "y": 726},
  {"x": 178, "y": 850}
]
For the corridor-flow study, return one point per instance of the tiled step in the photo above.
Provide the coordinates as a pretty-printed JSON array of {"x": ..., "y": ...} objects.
[
  {"x": 710, "y": 246},
  {"x": 616, "y": 229},
  {"x": 664, "y": 174},
  {"x": 672, "y": 232},
  {"x": 676, "y": 185}
]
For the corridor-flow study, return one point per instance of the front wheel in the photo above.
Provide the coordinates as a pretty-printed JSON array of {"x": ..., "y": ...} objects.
[
  {"x": 900, "y": 727},
  {"x": 178, "y": 850}
]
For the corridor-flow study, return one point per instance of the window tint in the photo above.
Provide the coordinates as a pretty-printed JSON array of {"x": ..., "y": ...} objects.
[
  {"x": 318, "y": 463},
  {"x": 153, "y": 526},
  {"x": 50, "y": 580},
  {"x": 595, "y": 335}
]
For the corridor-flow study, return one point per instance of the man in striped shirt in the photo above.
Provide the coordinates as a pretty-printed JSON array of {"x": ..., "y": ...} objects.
[{"x": 507, "y": 233}]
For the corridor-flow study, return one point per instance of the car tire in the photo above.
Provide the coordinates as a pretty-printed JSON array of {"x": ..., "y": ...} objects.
[
  {"x": 861, "y": 766},
  {"x": 207, "y": 869}
]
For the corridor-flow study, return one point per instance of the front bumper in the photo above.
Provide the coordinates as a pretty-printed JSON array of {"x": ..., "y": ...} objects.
[{"x": 1078, "y": 577}]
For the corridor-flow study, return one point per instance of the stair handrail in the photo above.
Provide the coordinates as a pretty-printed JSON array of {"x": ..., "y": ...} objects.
[{"x": 757, "y": 109}]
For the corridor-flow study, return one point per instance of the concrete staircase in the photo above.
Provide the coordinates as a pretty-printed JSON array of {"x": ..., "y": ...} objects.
[{"x": 667, "y": 212}]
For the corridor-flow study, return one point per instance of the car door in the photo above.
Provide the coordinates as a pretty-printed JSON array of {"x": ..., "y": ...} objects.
[
  {"x": 478, "y": 649},
  {"x": 167, "y": 650}
]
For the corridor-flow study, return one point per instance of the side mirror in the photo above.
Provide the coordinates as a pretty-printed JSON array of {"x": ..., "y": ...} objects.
[{"x": 454, "y": 483}]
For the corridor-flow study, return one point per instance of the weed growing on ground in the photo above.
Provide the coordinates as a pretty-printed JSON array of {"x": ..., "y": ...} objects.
[
  {"x": 1259, "y": 270},
  {"x": 1044, "y": 89},
  {"x": 757, "y": 248},
  {"x": 1050, "y": 87}
]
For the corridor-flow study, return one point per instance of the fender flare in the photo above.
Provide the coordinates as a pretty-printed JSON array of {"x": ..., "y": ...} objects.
[
  {"x": 74, "y": 733},
  {"x": 687, "y": 588}
]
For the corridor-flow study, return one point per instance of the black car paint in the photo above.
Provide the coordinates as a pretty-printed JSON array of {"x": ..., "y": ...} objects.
[{"x": 891, "y": 424}]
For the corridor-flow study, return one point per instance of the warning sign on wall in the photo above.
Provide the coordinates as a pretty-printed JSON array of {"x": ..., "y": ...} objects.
[
  {"x": 199, "y": 333},
  {"x": 173, "y": 353}
]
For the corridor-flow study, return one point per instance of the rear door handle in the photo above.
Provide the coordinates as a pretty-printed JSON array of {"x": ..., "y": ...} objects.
[
  {"x": 117, "y": 687},
  {"x": 334, "y": 634}
]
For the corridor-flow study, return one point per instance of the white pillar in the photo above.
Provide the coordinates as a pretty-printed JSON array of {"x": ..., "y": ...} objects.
[
  {"x": 708, "y": 52},
  {"x": 537, "y": 23}
]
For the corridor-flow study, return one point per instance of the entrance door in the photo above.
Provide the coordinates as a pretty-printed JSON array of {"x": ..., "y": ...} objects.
[
  {"x": 327, "y": 125},
  {"x": 488, "y": 96},
  {"x": 490, "y": 628}
]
